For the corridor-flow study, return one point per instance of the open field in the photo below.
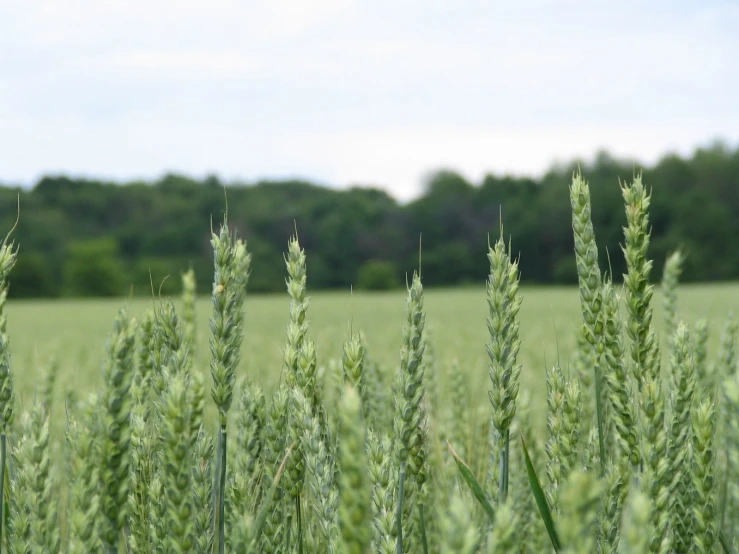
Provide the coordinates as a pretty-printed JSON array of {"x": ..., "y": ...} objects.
[
  {"x": 74, "y": 331},
  {"x": 631, "y": 416}
]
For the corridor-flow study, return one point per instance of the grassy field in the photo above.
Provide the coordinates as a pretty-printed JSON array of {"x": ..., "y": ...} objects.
[
  {"x": 74, "y": 331},
  {"x": 346, "y": 456}
]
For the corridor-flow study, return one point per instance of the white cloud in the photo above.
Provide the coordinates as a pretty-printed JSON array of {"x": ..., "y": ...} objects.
[
  {"x": 352, "y": 91},
  {"x": 404, "y": 156}
]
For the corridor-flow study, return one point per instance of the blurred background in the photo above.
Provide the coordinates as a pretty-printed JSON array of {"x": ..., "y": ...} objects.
[{"x": 366, "y": 125}]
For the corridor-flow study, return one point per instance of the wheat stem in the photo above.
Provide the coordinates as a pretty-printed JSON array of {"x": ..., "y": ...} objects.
[{"x": 589, "y": 277}]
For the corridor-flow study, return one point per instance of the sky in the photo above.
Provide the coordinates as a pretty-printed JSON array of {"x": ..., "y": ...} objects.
[{"x": 349, "y": 92}]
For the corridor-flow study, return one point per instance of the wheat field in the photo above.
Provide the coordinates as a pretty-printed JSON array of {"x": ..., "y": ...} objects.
[
  {"x": 498, "y": 419},
  {"x": 74, "y": 332}
]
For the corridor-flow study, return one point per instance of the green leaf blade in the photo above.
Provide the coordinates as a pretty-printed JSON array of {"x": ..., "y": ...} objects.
[
  {"x": 473, "y": 483},
  {"x": 541, "y": 499}
]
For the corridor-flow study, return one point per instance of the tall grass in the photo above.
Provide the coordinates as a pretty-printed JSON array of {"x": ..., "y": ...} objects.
[{"x": 638, "y": 456}]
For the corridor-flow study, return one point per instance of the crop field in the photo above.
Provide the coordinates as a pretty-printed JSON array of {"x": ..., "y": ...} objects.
[
  {"x": 495, "y": 419},
  {"x": 74, "y": 333}
]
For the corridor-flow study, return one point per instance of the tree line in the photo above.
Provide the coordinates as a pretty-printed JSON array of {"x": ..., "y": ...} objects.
[{"x": 82, "y": 237}]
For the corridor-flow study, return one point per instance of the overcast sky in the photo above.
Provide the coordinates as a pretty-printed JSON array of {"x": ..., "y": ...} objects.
[{"x": 358, "y": 92}]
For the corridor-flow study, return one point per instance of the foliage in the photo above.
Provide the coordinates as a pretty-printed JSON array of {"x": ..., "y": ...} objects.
[
  {"x": 92, "y": 268},
  {"x": 692, "y": 208},
  {"x": 377, "y": 275},
  {"x": 318, "y": 469}
]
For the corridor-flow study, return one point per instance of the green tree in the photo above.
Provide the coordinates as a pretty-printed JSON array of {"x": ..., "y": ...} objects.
[
  {"x": 377, "y": 275},
  {"x": 31, "y": 277},
  {"x": 164, "y": 225},
  {"x": 92, "y": 268}
]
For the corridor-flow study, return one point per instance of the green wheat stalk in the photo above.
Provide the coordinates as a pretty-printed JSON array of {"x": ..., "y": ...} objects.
[
  {"x": 273, "y": 534},
  {"x": 83, "y": 491},
  {"x": 503, "y": 302},
  {"x": 355, "y": 492},
  {"x": 705, "y": 538},
  {"x": 231, "y": 274},
  {"x": 670, "y": 277},
  {"x": 321, "y": 474},
  {"x": 618, "y": 385},
  {"x": 682, "y": 371},
  {"x": 176, "y": 466},
  {"x": 411, "y": 426},
  {"x": 644, "y": 350},
  {"x": 383, "y": 477},
  {"x": 589, "y": 277},
  {"x": 657, "y": 468},
  {"x": 34, "y": 488},
  {"x": 8, "y": 257},
  {"x": 564, "y": 419},
  {"x": 700, "y": 351},
  {"x": 115, "y": 474}
]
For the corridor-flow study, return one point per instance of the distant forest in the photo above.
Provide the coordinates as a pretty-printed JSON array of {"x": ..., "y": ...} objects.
[{"x": 81, "y": 237}]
